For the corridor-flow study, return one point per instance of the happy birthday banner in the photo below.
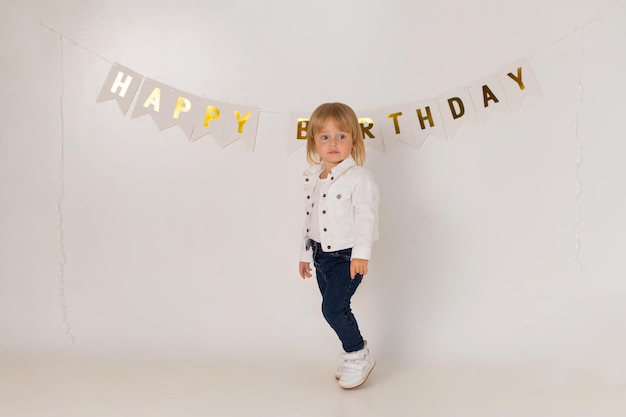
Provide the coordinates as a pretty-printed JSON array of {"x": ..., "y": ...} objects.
[{"x": 382, "y": 127}]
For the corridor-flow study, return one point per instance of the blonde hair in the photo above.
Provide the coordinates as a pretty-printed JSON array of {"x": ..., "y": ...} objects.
[{"x": 346, "y": 120}]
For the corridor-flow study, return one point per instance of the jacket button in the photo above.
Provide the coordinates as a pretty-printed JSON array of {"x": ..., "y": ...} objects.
[
  {"x": 307, "y": 213},
  {"x": 332, "y": 178},
  {"x": 324, "y": 195},
  {"x": 325, "y": 229},
  {"x": 323, "y": 211},
  {"x": 328, "y": 247},
  {"x": 338, "y": 196},
  {"x": 306, "y": 179},
  {"x": 308, "y": 197},
  {"x": 307, "y": 230}
]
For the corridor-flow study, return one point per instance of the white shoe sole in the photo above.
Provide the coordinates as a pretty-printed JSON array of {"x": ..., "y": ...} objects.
[{"x": 359, "y": 383}]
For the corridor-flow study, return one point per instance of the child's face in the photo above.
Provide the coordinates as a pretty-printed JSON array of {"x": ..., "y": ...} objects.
[{"x": 332, "y": 144}]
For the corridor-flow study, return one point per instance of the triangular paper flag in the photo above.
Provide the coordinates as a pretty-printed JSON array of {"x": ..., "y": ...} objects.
[
  {"x": 159, "y": 101},
  {"x": 122, "y": 85},
  {"x": 240, "y": 122},
  {"x": 456, "y": 107},
  {"x": 426, "y": 120},
  {"x": 208, "y": 119},
  {"x": 372, "y": 132},
  {"x": 518, "y": 81},
  {"x": 488, "y": 96},
  {"x": 396, "y": 126}
]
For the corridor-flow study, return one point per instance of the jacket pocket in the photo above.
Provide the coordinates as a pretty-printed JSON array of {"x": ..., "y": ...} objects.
[{"x": 340, "y": 200}]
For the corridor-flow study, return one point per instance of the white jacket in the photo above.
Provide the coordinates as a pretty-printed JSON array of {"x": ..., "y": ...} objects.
[{"x": 348, "y": 209}]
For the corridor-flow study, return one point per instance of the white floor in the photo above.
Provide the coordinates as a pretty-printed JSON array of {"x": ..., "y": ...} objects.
[{"x": 91, "y": 388}]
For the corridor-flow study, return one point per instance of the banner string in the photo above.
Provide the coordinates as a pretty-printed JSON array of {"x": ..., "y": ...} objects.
[
  {"x": 63, "y": 36},
  {"x": 577, "y": 29},
  {"x": 60, "y": 200},
  {"x": 579, "y": 156}
]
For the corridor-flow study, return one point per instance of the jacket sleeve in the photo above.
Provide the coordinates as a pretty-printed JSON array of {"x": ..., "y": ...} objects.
[{"x": 365, "y": 199}]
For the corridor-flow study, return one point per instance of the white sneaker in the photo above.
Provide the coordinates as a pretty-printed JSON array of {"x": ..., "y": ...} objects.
[
  {"x": 339, "y": 370},
  {"x": 356, "y": 368}
]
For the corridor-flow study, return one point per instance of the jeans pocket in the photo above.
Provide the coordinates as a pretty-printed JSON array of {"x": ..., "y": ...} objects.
[{"x": 345, "y": 254}]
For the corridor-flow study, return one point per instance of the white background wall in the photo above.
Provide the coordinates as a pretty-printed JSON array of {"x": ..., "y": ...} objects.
[{"x": 176, "y": 248}]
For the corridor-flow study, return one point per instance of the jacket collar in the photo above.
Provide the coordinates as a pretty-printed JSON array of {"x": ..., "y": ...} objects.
[{"x": 343, "y": 166}]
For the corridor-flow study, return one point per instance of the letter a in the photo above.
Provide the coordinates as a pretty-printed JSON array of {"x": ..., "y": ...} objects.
[
  {"x": 154, "y": 99},
  {"x": 488, "y": 95}
]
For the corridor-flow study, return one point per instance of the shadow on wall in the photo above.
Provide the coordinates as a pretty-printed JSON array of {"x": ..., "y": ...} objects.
[{"x": 398, "y": 301}]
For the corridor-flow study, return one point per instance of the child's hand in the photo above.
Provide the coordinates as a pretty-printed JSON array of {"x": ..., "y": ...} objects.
[
  {"x": 305, "y": 270},
  {"x": 358, "y": 266}
]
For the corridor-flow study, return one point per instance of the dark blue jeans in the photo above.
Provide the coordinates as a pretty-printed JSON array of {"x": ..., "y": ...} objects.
[{"x": 333, "y": 278}]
